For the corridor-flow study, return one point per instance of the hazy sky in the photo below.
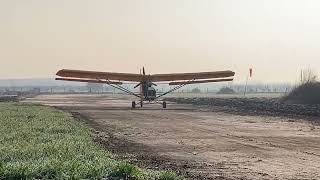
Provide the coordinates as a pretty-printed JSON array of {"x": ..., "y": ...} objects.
[{"x": 275, "y": 37}]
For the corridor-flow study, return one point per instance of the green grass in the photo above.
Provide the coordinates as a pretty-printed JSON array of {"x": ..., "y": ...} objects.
[{"x": 38, "y": 142}]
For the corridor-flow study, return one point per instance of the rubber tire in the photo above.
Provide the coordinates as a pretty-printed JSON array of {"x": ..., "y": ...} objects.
[
  {"x": 133, "y": 105},
  {"x": 164, "y": 105},
  {"x": 141, "y": 104}
]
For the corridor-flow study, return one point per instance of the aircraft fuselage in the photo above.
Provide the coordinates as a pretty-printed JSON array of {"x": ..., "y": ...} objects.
[{"x": 149, "y": 93}]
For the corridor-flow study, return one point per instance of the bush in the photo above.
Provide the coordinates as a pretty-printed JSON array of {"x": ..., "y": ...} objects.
[
  {"x": 306, "y": 93},
  {"x": 226, "y": 90},
  {"x": 196, "y": 90}
]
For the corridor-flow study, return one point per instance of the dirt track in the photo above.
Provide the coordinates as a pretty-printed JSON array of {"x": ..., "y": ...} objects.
[{"x": 198, "y": 142}]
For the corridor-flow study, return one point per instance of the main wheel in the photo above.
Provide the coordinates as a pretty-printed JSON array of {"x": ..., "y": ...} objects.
[
  {"x": 133, "y": 104},
  {"x": 164, "y": 104},
  {"x": 141, "y": 104}
]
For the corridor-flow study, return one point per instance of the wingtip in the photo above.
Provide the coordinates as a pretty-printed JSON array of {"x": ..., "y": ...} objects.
[
  {"x": 59, "y": 73},
  {"x": 232, "y": 72}
]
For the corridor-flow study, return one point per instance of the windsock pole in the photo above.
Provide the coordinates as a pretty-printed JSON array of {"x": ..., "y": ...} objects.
[{"x": 250, "y": 74}]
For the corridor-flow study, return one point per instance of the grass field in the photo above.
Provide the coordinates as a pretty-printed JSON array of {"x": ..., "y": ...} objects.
[{"x": 38, "y": 142}]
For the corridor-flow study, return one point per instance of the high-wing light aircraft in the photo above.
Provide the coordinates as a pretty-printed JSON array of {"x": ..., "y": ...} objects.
[{"x": 145, "y": 81}]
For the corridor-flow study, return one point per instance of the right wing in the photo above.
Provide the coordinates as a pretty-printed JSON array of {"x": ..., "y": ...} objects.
[
  {"x": 191, "y": 76},
  {"x": 199, "y": 82},
  {"x": 66, "y": 73}
]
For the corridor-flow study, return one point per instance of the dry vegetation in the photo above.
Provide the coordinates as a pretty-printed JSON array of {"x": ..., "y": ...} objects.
[{"x": 307, "y": 92}]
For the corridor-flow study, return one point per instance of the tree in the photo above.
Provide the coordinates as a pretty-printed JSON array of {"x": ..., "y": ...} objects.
[
  {"x": 196, "y": 90},
  {"x": 307, "y": 76}
]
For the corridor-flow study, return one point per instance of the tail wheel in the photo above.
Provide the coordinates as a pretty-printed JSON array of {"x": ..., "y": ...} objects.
[
  {"x": 133, "y": 104},
  {"x": 164, "y": 104}
]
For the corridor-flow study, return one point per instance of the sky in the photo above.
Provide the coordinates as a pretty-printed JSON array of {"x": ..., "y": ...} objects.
[{"x": 277, "y": 38}]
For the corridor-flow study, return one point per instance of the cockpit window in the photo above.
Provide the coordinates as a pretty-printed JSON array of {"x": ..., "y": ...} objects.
[{"x": 151, "y": 93}]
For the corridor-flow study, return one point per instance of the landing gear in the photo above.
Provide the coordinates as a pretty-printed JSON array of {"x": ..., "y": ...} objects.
[
  {"x": 133, "y": 104},
  {"x": 164, "y": 104}
]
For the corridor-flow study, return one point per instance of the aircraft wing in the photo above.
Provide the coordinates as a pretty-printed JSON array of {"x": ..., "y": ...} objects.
[
  {"x": 90, "y": 81},
  {"x": 99, "y": 75},
  {"x": 191, "y": 76},
  {"x": 199, "y": 82},
  {"x": 74, "y": 75}
]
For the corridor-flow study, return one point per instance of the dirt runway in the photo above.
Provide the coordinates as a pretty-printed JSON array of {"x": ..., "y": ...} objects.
[{"x": 198, "y": 142}]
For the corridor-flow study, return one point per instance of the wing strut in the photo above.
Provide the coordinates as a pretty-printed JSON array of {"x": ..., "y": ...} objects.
[
  {"x": 174, "y": 89},
  {"x": 119, "y": 87}
]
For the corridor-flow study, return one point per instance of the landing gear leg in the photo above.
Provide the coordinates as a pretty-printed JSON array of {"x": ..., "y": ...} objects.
[
  {"x": 133, "y": 105},
  {"x": 164, "y": 104}
]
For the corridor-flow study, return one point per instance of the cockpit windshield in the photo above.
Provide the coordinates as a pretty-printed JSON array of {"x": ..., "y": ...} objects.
[{"x": 151, "y": 93}]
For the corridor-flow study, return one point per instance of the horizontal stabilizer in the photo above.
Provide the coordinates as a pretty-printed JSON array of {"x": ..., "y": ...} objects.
[
  {"x": 199, "y": 82},
  {"x": 89, "y": 80}
]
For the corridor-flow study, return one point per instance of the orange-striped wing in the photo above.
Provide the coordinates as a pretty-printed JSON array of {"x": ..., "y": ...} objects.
[
  {"x": 99, "y": 75},
  {"x": 199, "y": 82},
  {"x": 191, "y": 76},
  {"x": 79, "y": 75},
  {"x": 90, "y": 81}
]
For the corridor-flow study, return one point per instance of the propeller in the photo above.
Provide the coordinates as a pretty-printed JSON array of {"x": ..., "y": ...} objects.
[{"x": 144, "y": 73}]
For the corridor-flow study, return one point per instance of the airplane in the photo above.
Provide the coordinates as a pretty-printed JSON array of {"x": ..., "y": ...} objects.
[{"x": 148, "y": 93}]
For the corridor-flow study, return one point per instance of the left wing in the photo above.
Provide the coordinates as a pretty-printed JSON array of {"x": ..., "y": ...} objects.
[
  {"x": 67, "y": 73},
  {"x": 90, "y": 81}
]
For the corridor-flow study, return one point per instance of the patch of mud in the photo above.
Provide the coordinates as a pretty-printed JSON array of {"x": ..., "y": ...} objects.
[
  {"x": 253, "y": 106},
  {"x": 9, "y": 98}
]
